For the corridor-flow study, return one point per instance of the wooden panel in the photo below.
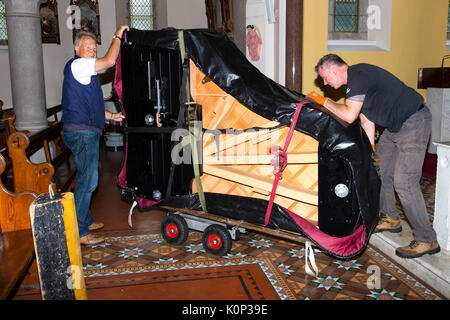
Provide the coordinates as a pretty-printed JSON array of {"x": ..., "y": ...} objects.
[
  {"x": 16, "y": 243},
  {"x": 16, "y": 253},
  {"x": 239, "y": 162},
  {"x": 27, "y": 175},
  {"x": 245, "y": 177},
  {"x": 14, "y": 212},
  {"x": 60, "y": 268},
  {"x": 433, "y": 78}
]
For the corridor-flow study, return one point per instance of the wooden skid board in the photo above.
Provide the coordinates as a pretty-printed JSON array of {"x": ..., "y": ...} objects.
[
  {"x": 239, "y": 162},
  {"x": 285, "y": 234}
]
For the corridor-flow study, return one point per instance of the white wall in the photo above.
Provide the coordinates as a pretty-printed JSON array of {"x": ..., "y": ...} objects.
[
  {"x": 56, "y": 56},
  {"x": 5, "y": 80},
  {"x": 184, "y": 14},
  {"x": 272, "y": 56}
]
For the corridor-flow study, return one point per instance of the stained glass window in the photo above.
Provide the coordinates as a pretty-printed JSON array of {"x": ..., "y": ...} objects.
[
  {"x": 346, "y": 16},
  {"x": 141, "y": 14},
  {"x": 3, "y": 33}
]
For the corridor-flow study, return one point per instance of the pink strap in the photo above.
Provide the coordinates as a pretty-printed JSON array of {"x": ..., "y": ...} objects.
[{"x": 280, "y": 171}]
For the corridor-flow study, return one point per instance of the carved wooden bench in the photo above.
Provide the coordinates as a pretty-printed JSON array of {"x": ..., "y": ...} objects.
[
  {"x": 57, "y": 170},
  {"x": 7, "y": 118},
  {"x": 16, "y": 242},
  {"x": 29, "y": 179},
  {"x": 6, "y": 128},
  {"x": 53, "y": 113}
]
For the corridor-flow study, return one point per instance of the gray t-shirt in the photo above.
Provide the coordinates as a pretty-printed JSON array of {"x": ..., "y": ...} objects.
[{"x": 387, "y": 101}]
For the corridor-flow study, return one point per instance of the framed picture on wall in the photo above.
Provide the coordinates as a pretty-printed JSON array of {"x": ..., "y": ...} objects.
[
  {"x": 49, "y": 22},
  {"x": 89, "y": 17}
]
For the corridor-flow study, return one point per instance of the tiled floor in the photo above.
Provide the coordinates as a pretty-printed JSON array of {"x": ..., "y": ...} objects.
[
  {"x": 281, "y": 264},
  {"x": 135, "y": 263}
]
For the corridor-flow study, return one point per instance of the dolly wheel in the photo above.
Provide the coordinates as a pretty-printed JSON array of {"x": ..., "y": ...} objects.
[
  {"x": 174, "y": 230},
  {"x": 217, "y": 240}
]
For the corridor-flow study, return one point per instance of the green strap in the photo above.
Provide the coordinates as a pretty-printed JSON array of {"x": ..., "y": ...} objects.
[
  {"x": 192, "y": 132},
  {"x": 181, "y": 45}
]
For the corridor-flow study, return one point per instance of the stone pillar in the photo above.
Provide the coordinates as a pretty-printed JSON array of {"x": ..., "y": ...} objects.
[
  {"x": 294, "y": 44},
  {"x": 441, "y": 222},
  {"x": 438, "y": 100},
  {"x": 26, "y": 64}
]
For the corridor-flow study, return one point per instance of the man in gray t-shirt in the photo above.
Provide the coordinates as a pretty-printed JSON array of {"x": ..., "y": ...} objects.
[{"x": 375, "y": 96}]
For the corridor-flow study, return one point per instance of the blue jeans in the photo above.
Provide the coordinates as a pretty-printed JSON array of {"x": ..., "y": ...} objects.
[{"x": 84, "y": 145}]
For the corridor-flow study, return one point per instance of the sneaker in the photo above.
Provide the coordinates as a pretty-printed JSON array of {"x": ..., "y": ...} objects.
[
  {"x": 91, "y": 239},
  {"x": 417, "y": 249},
  {"x": 388, "y": 224},
  {"x": 96, "y": 226}
]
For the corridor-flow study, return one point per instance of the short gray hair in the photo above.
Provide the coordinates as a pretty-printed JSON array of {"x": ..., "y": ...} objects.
[
  {"x": 329, "y": 59},
  {"x": 80, "y": 34}
]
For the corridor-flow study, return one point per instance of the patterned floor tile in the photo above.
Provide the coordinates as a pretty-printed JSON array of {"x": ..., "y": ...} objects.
[{"x": 369, "y": 277}]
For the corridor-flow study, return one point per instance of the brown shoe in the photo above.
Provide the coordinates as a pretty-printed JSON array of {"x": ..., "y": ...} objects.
[
  {"x": 96, "y": 226},
  {"x": 91, "y": 239},
  {"x": 386, "y": 223},
  {"x": 417, "y": 249}
]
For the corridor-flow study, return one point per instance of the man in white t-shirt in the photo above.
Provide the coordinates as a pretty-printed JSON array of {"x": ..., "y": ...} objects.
[{"x": 84, "y": 116}]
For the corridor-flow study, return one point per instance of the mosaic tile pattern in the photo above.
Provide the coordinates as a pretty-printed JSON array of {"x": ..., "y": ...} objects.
[{"x": 371, "y": 276}]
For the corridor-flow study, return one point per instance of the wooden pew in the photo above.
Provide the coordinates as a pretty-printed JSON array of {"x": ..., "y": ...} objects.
[
  {"x": 4, "y": 134},
  {"x": 27, "y": 175},
  {"x": 16, "y": 242},
  {"x": 57, "y": 171},
  {"x": 7, "y": 118},
  {"x": 53, "y": 112},
  {"x": 6, "y": 128},
  {"x": 5, "y": 113}
]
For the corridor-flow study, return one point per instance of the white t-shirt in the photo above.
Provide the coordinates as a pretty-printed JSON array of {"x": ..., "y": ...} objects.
[{"x": 83, "y": 69}]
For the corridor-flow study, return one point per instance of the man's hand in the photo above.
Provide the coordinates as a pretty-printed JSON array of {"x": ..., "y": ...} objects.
[
  {"x": 120, "y": 30},
  {"x": 317, "y": 98},
  {"x": 116, "y": 116},
  {"x": 111, "y": 55}
]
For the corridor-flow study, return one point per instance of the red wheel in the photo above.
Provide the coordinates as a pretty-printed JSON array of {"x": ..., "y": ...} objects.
[
  {"x": 214, "y": 241},
  {"x": 217, "y": 240},
  {"x": 174, "y": 229}
]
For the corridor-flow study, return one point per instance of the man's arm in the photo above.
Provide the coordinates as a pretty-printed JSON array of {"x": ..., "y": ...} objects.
[
  {"x": 107, "y": 62},
  {"x": 110, "y": 57},
  {"x": 369, "y": 128},
  {"x": 348, "y": 111}
]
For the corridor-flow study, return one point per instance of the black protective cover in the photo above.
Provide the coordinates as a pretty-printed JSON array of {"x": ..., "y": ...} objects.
[{"x": 344, "y": 149}]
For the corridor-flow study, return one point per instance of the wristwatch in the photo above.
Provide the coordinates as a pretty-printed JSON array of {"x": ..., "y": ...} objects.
[{"x": 116, "y": 36}]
